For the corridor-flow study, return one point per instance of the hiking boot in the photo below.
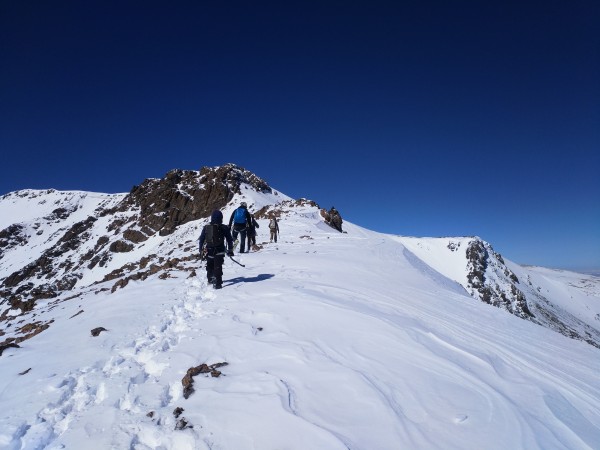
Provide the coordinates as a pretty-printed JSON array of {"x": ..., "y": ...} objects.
[{"x": 218, "y": 286}]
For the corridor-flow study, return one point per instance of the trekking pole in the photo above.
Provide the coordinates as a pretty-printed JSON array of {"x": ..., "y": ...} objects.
[{"x": 237, "y": 262}]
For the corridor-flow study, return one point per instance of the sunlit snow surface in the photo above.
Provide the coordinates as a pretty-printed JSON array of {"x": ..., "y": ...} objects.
[{"x": 333, "y": 341}]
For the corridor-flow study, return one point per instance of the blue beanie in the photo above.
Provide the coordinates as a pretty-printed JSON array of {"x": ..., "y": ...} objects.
[{"x": 216, "y": 217}]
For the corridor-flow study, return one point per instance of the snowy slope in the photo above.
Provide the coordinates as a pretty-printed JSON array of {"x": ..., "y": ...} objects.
[
  {"x": 56, "y": 241},
  {"x": 44, "y": 216},
  {"x": 567, "y": 290},
  {"x": 564, "y": 301},
  {"x": 324, "y": 349},
  {"x": 332, "y": 341}
]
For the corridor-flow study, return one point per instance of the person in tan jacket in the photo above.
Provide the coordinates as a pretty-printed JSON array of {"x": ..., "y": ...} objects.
[{"x": 274, "y": 228}]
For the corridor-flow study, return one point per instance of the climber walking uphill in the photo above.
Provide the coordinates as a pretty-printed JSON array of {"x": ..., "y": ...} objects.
[
  {"x": 241, "y": 220},
  {"x": 213, "y": 235},
  {"x": 274, "y": 228},
  {"x": 252, "y": 232}
]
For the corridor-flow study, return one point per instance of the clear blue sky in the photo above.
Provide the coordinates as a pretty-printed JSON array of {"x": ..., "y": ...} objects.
[{"x": 415, "y": 118}]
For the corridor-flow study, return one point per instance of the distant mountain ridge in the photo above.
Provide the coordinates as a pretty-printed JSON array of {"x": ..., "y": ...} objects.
[{"x": 56, "y": 245}]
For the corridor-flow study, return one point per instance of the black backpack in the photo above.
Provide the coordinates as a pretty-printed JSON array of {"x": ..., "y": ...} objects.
[{"x": 213, "y": 235}]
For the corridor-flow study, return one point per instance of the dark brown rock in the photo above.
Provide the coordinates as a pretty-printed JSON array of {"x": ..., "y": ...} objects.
[
  {"x": 73, "y": 238},
  {"x": 120, "y": 247},
  {"x": 96, "y": 331},
  {"x": 11, "y": 237},
  {"x": 119, "y": 284},
  {"x": 188, "y": 379},
  {"x": 5, "y": 346},
  {"x": 134, "y": 236},
  {"x": 43, "y": 266},
  {"x": 183, "y": 195},
  {"x": 59, "y": 214},
  {"x": 75, "y": 315}
]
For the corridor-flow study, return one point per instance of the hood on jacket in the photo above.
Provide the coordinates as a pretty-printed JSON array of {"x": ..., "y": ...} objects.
[{"x": 216, "y": 217}]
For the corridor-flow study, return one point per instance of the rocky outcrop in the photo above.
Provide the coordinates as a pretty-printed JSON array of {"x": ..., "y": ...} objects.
[
  {"x": 96, "y": 331},
  {"x": 26, "y": 331},
  {"x": 135, "y": 236},
  {"x": 333, "y": 218},
  {"x": 277, "y": 210},
  {"x": 11, "y": 237},
  {"x": 188, "y": 380},
  {"x": 120, "y": 247},
  {"x": 60, "y": 214},
  {"x": 76, "y": 235},
  {"x": 6, "y": 346},
  {"x": 182, "y": 196},
  {"x": 22, "y": 294},
  {"x": 492, "y": 282}
]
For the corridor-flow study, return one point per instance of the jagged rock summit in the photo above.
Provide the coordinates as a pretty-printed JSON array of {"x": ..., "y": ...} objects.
[{"x": 182, "y": 196}]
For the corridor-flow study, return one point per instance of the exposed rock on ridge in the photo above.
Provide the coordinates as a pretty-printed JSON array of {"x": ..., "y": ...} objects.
[
  {"x": 182, "y": 196},
  {"x": 12, "y": 236},
  {"x": 484, "y": 266},
  {"x": 490, "y": 280},
  {"x": 156, "y": 206}
]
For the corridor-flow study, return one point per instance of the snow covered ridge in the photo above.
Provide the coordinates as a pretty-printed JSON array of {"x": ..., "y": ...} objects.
[
  {"x": 111, "y": 338},
  {"x": 530, "y": 293},
  {"x": 55, "y": 243}
]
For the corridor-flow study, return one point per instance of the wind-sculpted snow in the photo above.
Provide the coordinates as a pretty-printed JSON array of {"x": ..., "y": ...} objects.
[
  {"x": 326, "y": 347},
  {"x": 325, "y": 340}
]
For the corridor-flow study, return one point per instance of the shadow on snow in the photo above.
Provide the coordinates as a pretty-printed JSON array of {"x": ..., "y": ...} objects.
[{"x": 261, "y": 277}]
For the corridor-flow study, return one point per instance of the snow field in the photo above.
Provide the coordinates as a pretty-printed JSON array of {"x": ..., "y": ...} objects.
[{"x": 333, "y": 341}]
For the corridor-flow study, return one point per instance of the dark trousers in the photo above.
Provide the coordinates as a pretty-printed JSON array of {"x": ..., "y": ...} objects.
[
  {"x": 242, "y": 232},
  {"x": 214, "y": 266},
  {"x": 251, "y": 238}
]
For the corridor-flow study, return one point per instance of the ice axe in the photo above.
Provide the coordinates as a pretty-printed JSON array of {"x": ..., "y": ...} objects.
[{"x": 237, "y": 262}]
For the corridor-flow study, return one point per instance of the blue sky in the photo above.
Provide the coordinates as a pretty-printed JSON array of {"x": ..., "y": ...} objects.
[{"x": 414, "y": 118}]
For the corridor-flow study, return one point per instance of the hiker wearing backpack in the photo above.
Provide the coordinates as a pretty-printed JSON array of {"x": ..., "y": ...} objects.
[
  {"x": 213, "y": 235},
  {"x": 274, "y": 228},
  {"x": 252, "y": 232},
  {"x": 241, "y": 220}
]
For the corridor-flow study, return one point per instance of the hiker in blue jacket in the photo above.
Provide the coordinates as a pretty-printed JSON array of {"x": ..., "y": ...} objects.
[
  {"x": 241, "y": 220},
  {"x": 214, "y": 235}
]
